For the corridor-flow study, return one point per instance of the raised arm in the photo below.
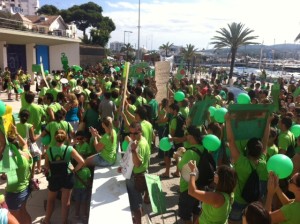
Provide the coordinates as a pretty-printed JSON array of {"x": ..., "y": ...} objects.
[
  {"x": 266, "y": 135},
  {"x": 234, "y": 151}
]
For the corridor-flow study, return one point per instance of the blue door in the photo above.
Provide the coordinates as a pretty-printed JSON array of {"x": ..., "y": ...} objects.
[{"x": 42, "y": 51}]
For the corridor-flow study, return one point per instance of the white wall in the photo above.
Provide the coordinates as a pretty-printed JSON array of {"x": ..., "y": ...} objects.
[
  {"x": 71, "y": 51},
  {"x": 3, "y": 55}
]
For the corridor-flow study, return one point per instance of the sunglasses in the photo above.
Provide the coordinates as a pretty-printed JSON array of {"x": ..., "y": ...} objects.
[{"x": 291, "y": 181}]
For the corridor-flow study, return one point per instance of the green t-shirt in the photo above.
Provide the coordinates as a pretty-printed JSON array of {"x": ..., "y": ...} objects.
[
  {"x": 172, "y": 125},
  {"x": 272, "y": 150},
  {"x": 37, "y": 115},
  {"x": 144, "y": 154},
  {"x": 243, "y": 169},
  {"x": 54, "y": 107},
  {"x": 53, "y": 126},
  {"x": 83, "y": 149},
  {"x": 184, "y": 111},
  {"x": 43, "y": 91},
  {"x": 109, "y": 153},
  {"x": 147, "y": 131},
  {"x": 23, "y": 130},
  {"x": 212, "y": 215},
  {"x": 186, "y": 157},
  {"x": 154, "y": 108},
  {"x": 285, "y": 139},
  {"x": 23, "y": 173},
  {"x": 140, "y": 101},
  {"x": 72, "y": 83},
  {"x": 23, "y": 101},
  {"x": 54, "y": 92},
  {"x": 85, "y": 175},
  {"x": 58, "y": 153},
  {"x": 291, "y": 213}
]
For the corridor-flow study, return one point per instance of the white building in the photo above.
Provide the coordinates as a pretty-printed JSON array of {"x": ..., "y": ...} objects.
[
  {"x": 116, "y": 46},
  {"x": 25, "y": 7}
]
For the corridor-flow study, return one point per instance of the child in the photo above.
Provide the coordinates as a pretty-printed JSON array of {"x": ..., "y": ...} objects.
[
  {"x": 272, "y": 148},
  {"x": 26, "y": 130},
  {"x": 10, "y": 87},
  {"x": 16, "y": 84},
  {"x": 82, "y": 193},
  {"x": 82, "y": 147}
]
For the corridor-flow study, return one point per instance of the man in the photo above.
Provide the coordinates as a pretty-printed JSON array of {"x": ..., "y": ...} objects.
[
  {"x": 286, "y": 139},
  {"x": 140, "y": 157},
  {"x": 53, "y": 89}
]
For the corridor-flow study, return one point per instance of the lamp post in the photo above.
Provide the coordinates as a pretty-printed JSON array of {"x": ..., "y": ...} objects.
[
  {"x": 139, "y": 27},
  {"x": 126, "y": 31}
]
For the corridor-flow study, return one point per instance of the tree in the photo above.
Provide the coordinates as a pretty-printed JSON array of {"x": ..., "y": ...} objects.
[
  {"x": 166, "y": 47},
  {"x": 128, "y": 49},
  {"x": 84, "y": 16},
  {"x": 188, "y": 54},
  {"x": 233, "y": 37},
  {"x": 297, "y": 38},
  {"x": 50, "y": 10}
]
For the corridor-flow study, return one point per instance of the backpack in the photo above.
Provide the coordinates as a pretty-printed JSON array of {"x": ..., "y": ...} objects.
[
  {"x": 58, "y": 166},
  {"x": 251, "y": 190},
  {"x": 206, "y": 167},
  {"x": 179, "y": 132}
]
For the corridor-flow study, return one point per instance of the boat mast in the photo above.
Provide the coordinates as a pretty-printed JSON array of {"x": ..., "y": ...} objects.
[{"x": 261, "y": 50}]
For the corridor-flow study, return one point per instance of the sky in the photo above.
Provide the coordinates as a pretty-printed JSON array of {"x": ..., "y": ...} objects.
[{"x": 195, "y": 22}]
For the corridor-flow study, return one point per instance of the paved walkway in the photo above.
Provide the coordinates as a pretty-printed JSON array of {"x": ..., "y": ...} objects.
[{"x": 35, "y": 204}]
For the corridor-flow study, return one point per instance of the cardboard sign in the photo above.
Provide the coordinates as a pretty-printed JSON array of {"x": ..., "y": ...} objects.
[
  {"x": 199, "y": 111},
  {"x": 126, "y": 163},
  {"x": 162, "y": 73},
  {"x": 249, "y": 120},
  {"x": 156, "y": 194}
]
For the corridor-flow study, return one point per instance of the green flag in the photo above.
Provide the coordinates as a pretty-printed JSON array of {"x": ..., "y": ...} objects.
[{"x": 36, "y": 68}]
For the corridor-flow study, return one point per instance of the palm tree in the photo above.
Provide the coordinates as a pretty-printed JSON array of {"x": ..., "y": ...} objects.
[
  {"x": 189, "y": 52},
  {"x": 233, "y": 37},
  {"x": 298, "y": 37},
  {"x": 127, "y": 48},
  {"x": 166, "y": 47}
]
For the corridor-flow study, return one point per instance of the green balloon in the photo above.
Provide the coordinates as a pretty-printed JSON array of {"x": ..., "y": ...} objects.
[
  {"x": 117, "y": 69},
  {"x": 212, "y": 110},
  {"x": 2, "y": 108},
  {"x": 220, "y": 115},
  {"x": 46, "y": 140},
  {"x": 20, "y": 90},
  {"x": 179, "y": 96},
  {"x": 295, "y": 129},
  {"x": 211, "y": 142},
  {"x": 165, "y": 144},
  {"x": 46, "y": 72},
  {"x": 243, "y": 98},
  {"x": 281, "y": 165},
  {"x": 125, "y": 146}
]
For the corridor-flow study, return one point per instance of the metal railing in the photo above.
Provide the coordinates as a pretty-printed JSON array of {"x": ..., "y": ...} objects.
[{"x": 31, "y": 27}]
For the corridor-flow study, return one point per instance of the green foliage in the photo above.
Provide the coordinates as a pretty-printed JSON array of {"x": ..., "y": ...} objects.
[
  {"x": 189, "y": 52},
  {"x": 48, "y": 10},
  {"x": 166, "y": 47},
  {"x": 234, "y": 37}
]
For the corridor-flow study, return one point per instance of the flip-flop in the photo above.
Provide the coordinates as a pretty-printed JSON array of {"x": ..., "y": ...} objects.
[
  {"x": 162, "y": 176},
  {"x": 175, "y": 175}
]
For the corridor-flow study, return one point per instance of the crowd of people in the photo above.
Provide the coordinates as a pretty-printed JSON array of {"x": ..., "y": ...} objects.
[{"x": 78, "y": 124}]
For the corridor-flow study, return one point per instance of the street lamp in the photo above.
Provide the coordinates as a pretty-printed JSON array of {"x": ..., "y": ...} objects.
[
  {"x": 139, "y": 27},
  {"x": 126, "y": 31}
]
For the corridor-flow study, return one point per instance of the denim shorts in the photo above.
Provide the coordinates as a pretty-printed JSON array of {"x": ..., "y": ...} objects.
[
  {"x": 81, "y": 194},
  {"x": 14, "y": 201},
  {"x": 236, "y": 213},
  {"x": 99, "y": 161},
  {"x": 135, "y": 197}
]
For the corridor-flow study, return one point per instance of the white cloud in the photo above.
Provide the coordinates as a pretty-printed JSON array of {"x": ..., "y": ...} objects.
[{"x": 184, "y": 22}]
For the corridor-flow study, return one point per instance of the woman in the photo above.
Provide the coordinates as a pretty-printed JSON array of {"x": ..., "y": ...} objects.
[
  {"x": 216, "y": 205},
  {"x": 18, "y": 190},
  {"x": 106, "y": 146},
  {"x": 289, "y": 212},
  {"x": 59, "y": 123},
  {"x": 255, "y": 213},
  {"x": 72, "y": 111},
  {"x": 56, "y": 184}
]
